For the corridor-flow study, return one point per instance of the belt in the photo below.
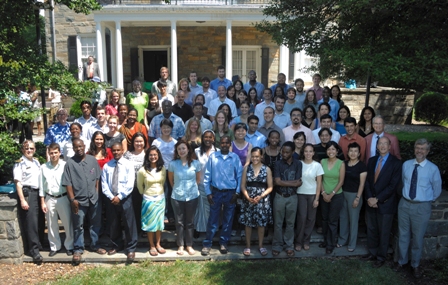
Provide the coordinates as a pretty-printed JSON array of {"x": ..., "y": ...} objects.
[
  {"x": 30, "y": 188},
  {"x": 221, "y": 190},
  {"x": 57, "y": 196},
  {"x": 256, "y": 184},
  {"x": 415, "y": 202},
  {"x": 285, "y": 194}
]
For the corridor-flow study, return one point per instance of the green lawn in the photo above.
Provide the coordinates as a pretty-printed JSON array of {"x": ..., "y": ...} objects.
[
  {"x": 302, "y": 271},
  {"x": 431, "y": 136}
]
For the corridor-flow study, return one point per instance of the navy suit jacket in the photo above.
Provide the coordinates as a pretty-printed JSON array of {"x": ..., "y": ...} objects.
[{"x": 386, "y": 187}]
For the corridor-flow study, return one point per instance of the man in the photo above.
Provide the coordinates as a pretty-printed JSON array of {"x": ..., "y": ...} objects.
[
  {"x": 221, "y": 80},
  {"x": 281, "y": 118},
  {"x": 325, "y": 122},
  {"x": 182, "y": 110},
  {"x": 253, "y": 136},
  {"x": 352, "y": 136},
  {"x": 252, "y": 83},
  {"x": 334, "y": 104},
  {"x": 287, "y": 178},
  {"x": 100, "y": 125},
  {"x": 296, "y": 119},
  {"x": 195, "y": 88},
  {"x": 91, "y": 69},
  {"x": 209, "y": 94},
  {"x": 316, "y": 86},
  {"x": 138, "y": 100},
  {"x": 281, "y": 82},
  {"x": 81, "y": 178},
  {"x": 86, "y": 120},
  {"x": 54, "y": 202},
  {"x": 291, "y": 101},
  {"x": 222, "y": 186},
  {"x": 117, "y": 181},
  {"x": 170, "y": 86},
  {"x": 59, "y": 132},
  {"x": 167, "y": 113},
  {"x": 383, "y": 179},
  {"x": 197, "y": 112},
  {"x": 372, "y": 139},
  {"x": 422, "y": 185},
  {"x": 259, "y": 109},
  {"x": 269, "y": 125},
  {"x": 215, "y": 103},
  {"x": 299, "y": 84}
]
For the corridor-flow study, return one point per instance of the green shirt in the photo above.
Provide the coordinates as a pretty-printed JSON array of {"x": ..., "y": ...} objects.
[
  {"x": 139, "y": 103},
  {"x": 331, "y": 177}
]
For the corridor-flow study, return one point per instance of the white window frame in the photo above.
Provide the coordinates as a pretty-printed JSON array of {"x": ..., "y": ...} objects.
[
  {"x": 82, "y": 60},
  {"x": 244, "y": 49}
]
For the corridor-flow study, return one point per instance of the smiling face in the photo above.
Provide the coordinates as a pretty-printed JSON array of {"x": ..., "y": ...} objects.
[
  {"x": 54, "y": 155},
  {"x": 267, "y": 95},
  {"x": 86, "y": 109},
  {"x": 334, "y": 93},
  {"x": 367, "y": 115},
  {"x": 139, "y": 144},
  {"x": 244, "y": 108},
  {"x": 132, "y": 117},
  {"x": 350, "y": 128},
  {"x": 378, "y": 125},
  {"x": 287, "y": 153},
  {"x": 308, "y": 153},
  {"x": 325, "y": 137},
  {"x": 99, "y": 141},
  {"x": 184, "y": 85},
  {"x": 291, "y": 95},
  {"x": 153, "y": 101},
  {"x": 343, "y": 113},
  {"x": 101, "y": 115},
  {"x": 299, "y": 86},
  {"x": 281, "y": 79},
  {"x": 137, "y": 87},
  {"x": 167, "y": 108},
  {"x": 205, "y": 84},
  {"x": 226, "y": 110},
  {"x": 309, "y": 113},
  {"x": 115, "y": 98},
  {"x": 166, "y": 130},
  {"x": 221, "y": 73},
  {"x": 193, "y": 78},
  {"x": 299, "y": 142},
  {"x": 296, "y": 117},
  {"x": 28, "y": 150},
  {"x": 75, "y": 131},
  {"x": 274, "y": 139},
  {"x": 332, "y": 152},
  {"x": 238, "y": 86},
  {"x": 310, "y": 96},
  {"x": 117, "y": 151},
  {"x": 231, "y": 92},
  {"x": 79, "y": 148},
  {"x": 153, "y": 157},
  {"x": 222, "y": 92},
  {"x": 208, "y": 139},
  {"x": 421, "y": 151},
  {"x": 252, "y": 94},
  {"x": 323, "y": 109},
  {"x": 268, "y": 115},
  {"x": 242, "y": 96},
  {"x": 113, "y": 124},
  {"x": 225, "y": 145},
  {"x": 62, "y": 116},
  {"x": 194, "y": 127},
  {"x": 353, "y": 153},
  {"x": 255, "y": 158},
  {"x": 220, "y": 119},
  {"x": 240, "y": 133},
  {"x": 199, "y": 99},
  {"x": 383, "y": 146},
  {"x": 279, "y": 104},
  {"x": 123, "y": 111},
  {"x": 182, "y": 151},
  {"x": 180, "y": 97}
]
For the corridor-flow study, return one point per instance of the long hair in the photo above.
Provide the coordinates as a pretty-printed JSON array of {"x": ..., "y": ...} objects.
[
  {"x": 203, "y": 147},
  {"x": 269, "y": 135},
  {"x": 339, "y": 97},
  {"x": 137, "y": 135},
  {"x": 348, "y": 112},
  {"x": 229, "y": 115},
  {"x": 153, "y": 95},
  {"x": 251, "y": 100},
  {"x": 260, "y": 151},
  {"x": 312, "y": 109},
  {"x": 190, "y": 156},
  {"x": 225, "y": 129},
  {"x": 306, "y": 102},
  {"x": 184, "y": 80},
  {"x": 159, "y": 162},
  {"x": 93, "y": 148},
  {"x": 198, "y": 132},
  {"x": 234, "y": 93},
  {"x": 362, "y": 121}
]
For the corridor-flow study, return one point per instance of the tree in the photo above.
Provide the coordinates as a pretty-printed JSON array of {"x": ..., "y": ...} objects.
[{"x": 399, "y": 43}]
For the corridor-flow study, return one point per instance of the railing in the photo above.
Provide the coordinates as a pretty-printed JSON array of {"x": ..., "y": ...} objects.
[{"x": 183, "y": 2}]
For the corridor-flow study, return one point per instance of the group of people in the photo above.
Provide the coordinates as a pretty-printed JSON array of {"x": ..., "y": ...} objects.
[{"x": 222, "y": 155}]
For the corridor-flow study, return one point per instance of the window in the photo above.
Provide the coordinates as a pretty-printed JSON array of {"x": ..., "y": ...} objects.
[
  {"x": 86, "y": 46},
  {"x": 245, "y": 59}
]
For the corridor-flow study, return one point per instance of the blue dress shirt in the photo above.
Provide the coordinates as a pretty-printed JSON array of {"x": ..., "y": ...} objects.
[
  {"x": 223, "y": 173},
  {"x": 126, "y": 178},
  {"x": 185, "y": 187},
  {"x": 429, "y": 182}
]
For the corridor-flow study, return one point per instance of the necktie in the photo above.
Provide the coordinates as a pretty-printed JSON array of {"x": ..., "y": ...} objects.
[
  {"x": 376, "y": 148},
  {"x": 413, "y": 189},
  {"x": 378, "y": 169},
  {"x": 115, "y": 181}
]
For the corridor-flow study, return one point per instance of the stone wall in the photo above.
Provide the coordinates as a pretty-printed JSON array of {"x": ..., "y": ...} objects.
[{"x": 11, "y": 247}]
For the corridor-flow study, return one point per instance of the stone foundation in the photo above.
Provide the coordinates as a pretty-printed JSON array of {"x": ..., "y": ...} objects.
[{"x": 11, "y": 246}]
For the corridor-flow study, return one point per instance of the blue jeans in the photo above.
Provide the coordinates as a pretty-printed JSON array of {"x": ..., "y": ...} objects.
[
  {"x": 221, "y": 198},
  {"x": 93, "y": 212}
]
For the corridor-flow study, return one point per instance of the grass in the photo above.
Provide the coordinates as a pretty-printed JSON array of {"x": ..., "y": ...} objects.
[
  {"x": 430, "y": 136},
  {"x": 303, "y": 271}
]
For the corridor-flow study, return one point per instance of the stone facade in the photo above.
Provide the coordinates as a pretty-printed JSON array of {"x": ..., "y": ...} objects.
[{"x": 11, "y": 247}]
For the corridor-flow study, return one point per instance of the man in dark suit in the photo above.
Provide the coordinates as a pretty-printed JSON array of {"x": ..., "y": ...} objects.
[
  {"x": 91, "y": 69},
  {"x": 372, "y": 139},
  {"x": 383, "y": 179}
]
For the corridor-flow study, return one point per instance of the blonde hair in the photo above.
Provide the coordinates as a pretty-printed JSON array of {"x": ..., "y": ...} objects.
[
  {"x": 225, "y": 129},
  {"x": 185, "y": 80},
  {"x": 113, "y": 117}
]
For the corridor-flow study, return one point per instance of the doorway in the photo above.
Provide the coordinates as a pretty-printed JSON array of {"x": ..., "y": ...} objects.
[{"x": 153, "y": 60}]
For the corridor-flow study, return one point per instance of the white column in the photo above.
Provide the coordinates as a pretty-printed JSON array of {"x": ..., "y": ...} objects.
[
  {"x": 174, "y": 54},
  {"x": 113, "y": 55},
  {"x": 229, "y": 53},
  {"x": 119, "y": 55},
  {"x": 99, "y": 49},
  {"x": 284, "y": 61},
  {"x": 297, "y": 65}
]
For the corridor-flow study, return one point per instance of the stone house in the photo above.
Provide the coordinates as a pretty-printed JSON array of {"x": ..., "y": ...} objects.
[{"x": 132, "y": 39}]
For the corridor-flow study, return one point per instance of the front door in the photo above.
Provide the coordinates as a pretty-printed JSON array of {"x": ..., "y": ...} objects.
[{"x": 153, "y": 60}]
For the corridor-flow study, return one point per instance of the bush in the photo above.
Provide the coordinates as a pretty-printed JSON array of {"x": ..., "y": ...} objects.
[
  {"x": 75, "y": 110},
  {"x": 432, "y": 108},
  {"x": 10, "y": 153}
]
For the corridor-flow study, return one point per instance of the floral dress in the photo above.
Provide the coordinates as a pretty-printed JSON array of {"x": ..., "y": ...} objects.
[{"x": 256, "y": 215}]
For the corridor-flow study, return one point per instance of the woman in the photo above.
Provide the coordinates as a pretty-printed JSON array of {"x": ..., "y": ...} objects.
[
  {"x": 193, "y": 133},
  {"x": 184, "y": 175},
  {"x": 150, "y": 181},
  {"x": 226, "y": 108},
  {"x": 324, "y": 108},
  {"x": 238, "y": 85},
  {"x": 355, "y": 178},
  {"x": 76, "y": 131},
  {"x": 239, "y": 146},
  {"x": 279, "y": 91},
  {"x": 299, "y": 140},
  {"x": 272, "y": 149},
  {"x": 201, "y": 99},
  {"x": 332, "y": 199},
  {"x": 231, "y": 94},
  {"x": 242, "y": 118},
  {"x": 166, "y": 145},
  {"x": 113, "y": 135},
  {"x": 365, "y": 124},
  {"x": 132, "y": 126},
  {"x": 184, "y": 85},
  {"x": 336, "y": 95},
  {"x": 310, "y": 115},
  {"x": 343, "y": 113},
  {"x": 122, "y": 114},
  {"x": 136, "y": 155},
  {"x": 112, "y": 107},
  {"x": 308, "y": 198},
  {"x": 152, "y": 110},
  {"x": 256, "y": 211},
  {"x": 98, "y": 149},
  {"x": 221, "y": 128},
  {"x": 310, "y": 99},
  {"x": 321, "y": 148},
  {"x": 252, "y": 98},
  {"x": 203, "y": 153}
]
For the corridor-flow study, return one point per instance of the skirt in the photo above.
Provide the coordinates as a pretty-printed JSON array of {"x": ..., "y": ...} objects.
[{"x": 152, "y": 215}]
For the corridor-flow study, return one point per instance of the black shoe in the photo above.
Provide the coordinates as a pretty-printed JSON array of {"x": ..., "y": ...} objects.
[
  {"x": 323, "y": 245},
  {"x": 417, "y": 272},
  {"x": 368, "y": 257},
  {"x": 378, "y": 263},
  {"x": 37, "y": 258},
  {"x": 398, "y": 267},
  {"x": 223, "y": 249},
  {"x": 130, "y": 258},
  {"x": 196, "y": 234},
  {"x": 69, "y": 252},
  {"x": 52, "y": 253}
]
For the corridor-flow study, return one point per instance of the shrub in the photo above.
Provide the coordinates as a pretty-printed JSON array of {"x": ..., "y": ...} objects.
[
  {"x": 432, "y": 108},
  {"x": 10, "y": 153},
  {"x": 75, "y": 110}
]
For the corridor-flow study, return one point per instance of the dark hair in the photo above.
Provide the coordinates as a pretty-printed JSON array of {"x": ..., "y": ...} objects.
[
  {"x": 199, "y": 95},
  {"x": 234, "y": 95},
  {"x": 160, "y": 83},
  {"x": 339, "y": 92},
  {"x": 306, "y": 102},
  {"x": 83, "y": 102},
  {"x": 152, "y": 95},
  {"x": 325, "y": 129},
  {"x": 280, "y": 97},
  {"x": 312, "y": 109},
  {"x": 166, "y": 122},
  {"x": 271, "y": 132},
  {"x": 295, "y": 110},
  {"x": 54, "y": 146},
  {"x": 252, "y": 117},
  {"x": 299, "y": 134},
  {"x": 159, "y": 162},
  {"x": 349, "y": 114},
  {"x": 220, "y": 67},
  {"x": 289, "y": 144},
  {"x": 281, "y": 89},
  {"x": 334, "y": 144},
  {"x": 229, "y": 115},
  {"x": 255, "y": 101},
  {"x": 240, "y": 126},
  {"x": 297, "y": 80},
  {"x": 136, "y": 135},
  {"x": 133, "y": 110},
  {"x": 93, "y": 149},
  {"x": 205, "y": 78},
  {"x": 350, "y": 120},
  {"x": 202, "y": 147},
  {"x": 255, "y": 149},
  {"x": 354, "y": 145},
  {"x": 76, "y": 124},
  {"x": 241, "y": 82},
  {"x": 198, "y": 104},
  {"x": 362, "y": 121},
  {"x": 190, "y": 156},
  {"x": 326, "y": 116},
  {"x": 325, "y": 104},
  {"x": 291, "y": 89},
  {"x": 121, "y": 105}
]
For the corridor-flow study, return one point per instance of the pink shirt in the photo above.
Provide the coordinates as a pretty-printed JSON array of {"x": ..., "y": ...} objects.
[
  {"x": 111, "y": 110},
  {"x": 289, "y": 133}
]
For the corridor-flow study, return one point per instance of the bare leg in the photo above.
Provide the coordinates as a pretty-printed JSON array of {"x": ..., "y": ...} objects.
[
  {"x": 248, "y": 235},
  {"x": 39, "y": 128},
  {"x": 260, "y": 236},
  {"x": 151, "y": 239},
  {"x": 158, "y": 238}
]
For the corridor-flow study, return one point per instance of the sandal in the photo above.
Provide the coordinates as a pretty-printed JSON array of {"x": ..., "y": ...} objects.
[
  {"x": 153, "y": 252},
  {"x": 263, "y": 251},
  {"x": 190, "y": 250},
  {"x": 338, "y": 245},
  {"x": 180, "y": 250},
  {"x": 290, "y": 252},
  {"x": 298, "y": 247},
  {"x": 246, "y": 251},
  {"x": 275, "y": 253},
  {"x": 160, "y": 250},
  {"x": 351, "y": 249},
  {"x": 101, "y": 251},
  {"x": 306, "y": 247}
]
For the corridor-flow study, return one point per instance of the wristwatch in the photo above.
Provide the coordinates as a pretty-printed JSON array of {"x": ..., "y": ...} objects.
[{"x": 72, "y": 199}]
